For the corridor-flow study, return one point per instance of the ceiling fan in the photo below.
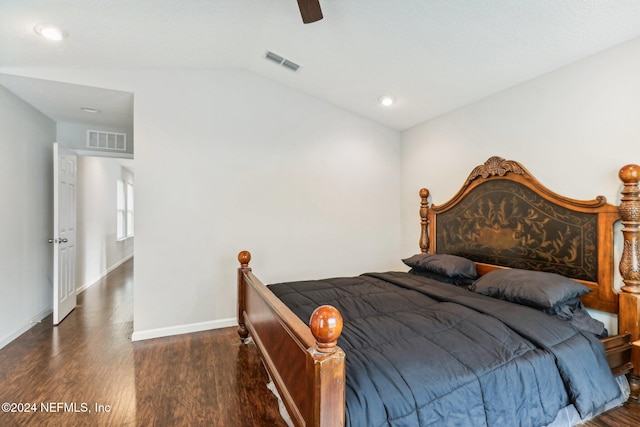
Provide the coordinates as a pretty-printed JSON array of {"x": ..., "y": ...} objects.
[{"x": 310, "y": 10}]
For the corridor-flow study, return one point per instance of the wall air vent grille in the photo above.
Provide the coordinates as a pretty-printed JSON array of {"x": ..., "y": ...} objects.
[
  {"x": 282, "y": 61},
  {"x": 106, "y": 140}
]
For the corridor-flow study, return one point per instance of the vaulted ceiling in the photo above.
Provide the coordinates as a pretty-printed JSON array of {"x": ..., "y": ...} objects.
[{"x": 433, "y": 56}]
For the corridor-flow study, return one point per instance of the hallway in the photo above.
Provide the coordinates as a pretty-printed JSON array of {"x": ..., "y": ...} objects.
[{"x": 87, "y": 372}]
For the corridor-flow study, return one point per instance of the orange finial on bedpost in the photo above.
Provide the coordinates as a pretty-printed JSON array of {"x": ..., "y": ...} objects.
[
  {"x": 326, "y": 327},
  {"x": 424, "y": 220},
  {"x": 629, "y": 298},
  {"x": 243, "y": 258}
]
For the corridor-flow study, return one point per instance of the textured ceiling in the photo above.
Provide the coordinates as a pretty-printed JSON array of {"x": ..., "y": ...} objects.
[{"x": 433, "y": 55}]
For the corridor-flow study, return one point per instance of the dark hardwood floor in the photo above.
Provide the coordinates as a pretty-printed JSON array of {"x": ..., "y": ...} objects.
[
  {"x": 87, "y": 372},
  {"x": 89, "y": 363}
]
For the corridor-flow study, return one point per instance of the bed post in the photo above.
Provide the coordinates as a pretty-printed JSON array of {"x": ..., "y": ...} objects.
[
  {"x": 424, "y": 220},
  {"x": 328, "y": 382},
  {"x": 304, "y": 362},
  {"x": 243, "y": 257},
  {"x": 629, "y": 298}
]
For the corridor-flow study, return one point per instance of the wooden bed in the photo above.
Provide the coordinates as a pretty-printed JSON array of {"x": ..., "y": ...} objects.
[{"x": 500, "y": 204}]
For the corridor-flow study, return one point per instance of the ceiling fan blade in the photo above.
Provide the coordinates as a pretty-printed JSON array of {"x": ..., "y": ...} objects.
[{"x": 310, "y": 10}]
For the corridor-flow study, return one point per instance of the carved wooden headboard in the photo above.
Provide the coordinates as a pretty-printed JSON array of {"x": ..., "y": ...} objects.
[{"x": 504, "y": 217}]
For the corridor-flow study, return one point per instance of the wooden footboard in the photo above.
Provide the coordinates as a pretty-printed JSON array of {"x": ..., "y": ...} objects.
[{"x": 304, "y": 362}]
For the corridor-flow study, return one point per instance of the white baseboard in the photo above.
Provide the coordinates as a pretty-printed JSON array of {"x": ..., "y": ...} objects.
[
  {"x": 183, "y": 329},
  {"x": 26, "y": 326},
  {"x": 103, "y": 274}
]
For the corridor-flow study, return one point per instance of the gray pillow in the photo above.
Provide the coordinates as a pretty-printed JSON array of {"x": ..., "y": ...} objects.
[
  {"x": 451, "y": 266},
  {"x": 537, "y": 289}
]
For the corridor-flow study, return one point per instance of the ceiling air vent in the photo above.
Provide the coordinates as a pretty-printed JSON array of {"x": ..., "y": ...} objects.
[
  {"x": 106, "y": 140},
  {"x": 282, "y": 61},
  {"x": 290, "y": 65}
]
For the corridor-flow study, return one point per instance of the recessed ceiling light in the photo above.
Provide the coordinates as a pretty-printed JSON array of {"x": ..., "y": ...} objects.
[
  {"x": 387, "y": 100},
  {"x": 90, "y": 110},
  {"x": 51, "y": 32}
]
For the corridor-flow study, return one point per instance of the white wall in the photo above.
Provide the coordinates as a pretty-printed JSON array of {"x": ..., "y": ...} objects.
[
  {"x": 26, "y": 224},
  {"x": 227, "y": 160},
  {"x": 573, "y": 129},
  {"x": 98, "y": 250}
]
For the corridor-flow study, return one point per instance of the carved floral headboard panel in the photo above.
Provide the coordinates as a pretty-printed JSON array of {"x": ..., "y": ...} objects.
[
  {"x": 505, "y": 223},
  {"x": 504, "y": 217}
]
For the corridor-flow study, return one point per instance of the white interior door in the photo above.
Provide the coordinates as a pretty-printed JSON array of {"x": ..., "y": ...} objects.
[{"x": 64, "y": 229}]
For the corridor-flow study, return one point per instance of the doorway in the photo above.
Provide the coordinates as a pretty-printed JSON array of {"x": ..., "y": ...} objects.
[{"x": 99, "y": 249}]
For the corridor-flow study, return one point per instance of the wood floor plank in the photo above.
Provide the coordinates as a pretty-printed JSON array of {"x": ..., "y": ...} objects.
[{"x": 89, "y": 362}]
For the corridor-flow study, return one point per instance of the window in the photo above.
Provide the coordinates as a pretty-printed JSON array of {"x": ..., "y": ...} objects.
[
  {"x": 124, "y": 210},
  {"x": 129, "y": 203}
]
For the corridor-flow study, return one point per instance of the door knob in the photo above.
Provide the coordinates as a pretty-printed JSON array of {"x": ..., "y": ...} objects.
[{"x": 63, "y": 240}]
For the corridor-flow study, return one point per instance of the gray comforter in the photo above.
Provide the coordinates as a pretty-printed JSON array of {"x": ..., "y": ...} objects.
[{"x": 424, "y": 353}]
